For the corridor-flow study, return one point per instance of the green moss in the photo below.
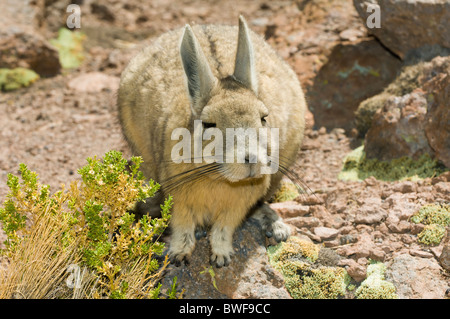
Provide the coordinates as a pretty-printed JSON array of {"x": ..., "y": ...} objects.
[
  {"x": 358, "y": 167},
  {"x": 12, "y": 79},
  {"x": 431, "y": 234},
  {"x": 366, "y": 111},
  {"x": 407, "y": 81},
  {"x": 303, "y": 278},
  {"x": 70, "y": 47},
  {"x": 287, "y": 191},
  {"x": 375, "y": 286},
  {"x": 436, "y": 217},
  {"x": 306, "y": 282},
  {"x": 293, "y": 248},
  {"x": 433, "y": 214}
]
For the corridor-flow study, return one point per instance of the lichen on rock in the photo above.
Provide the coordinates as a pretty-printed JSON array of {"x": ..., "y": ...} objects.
[
  {"x": 358, "y": 167},
  {"x": 375, "y": 286},
  {"x": 304, "y": 276},
  {"x": 436, "y": 217},
  {"x": 287, "y": 191}
]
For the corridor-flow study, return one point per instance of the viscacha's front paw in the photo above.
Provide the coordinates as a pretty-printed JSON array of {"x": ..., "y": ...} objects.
[{"x": 220, "y": 260}]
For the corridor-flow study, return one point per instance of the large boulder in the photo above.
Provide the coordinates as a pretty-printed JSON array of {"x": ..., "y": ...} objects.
[
  {"x": 353, "y": 73},
  {"x": 416, "y": 277},
  {"x": 414, "y": 123},
  {"x": 409, "y": 24},
  {"x": 437, "y": 126},
  {"x": 25, "y": 48},
  {"x": 398, "y": 129},
  {"x": 21, "y": 41}
]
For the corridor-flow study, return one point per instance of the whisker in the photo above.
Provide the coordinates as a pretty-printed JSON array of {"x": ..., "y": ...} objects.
[
  {"x": 299, "y": 183},
  {"x": 190, "y": 176}
]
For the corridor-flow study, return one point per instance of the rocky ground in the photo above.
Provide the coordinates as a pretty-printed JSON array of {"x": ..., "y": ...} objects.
[{"x": 69, "y": 115}]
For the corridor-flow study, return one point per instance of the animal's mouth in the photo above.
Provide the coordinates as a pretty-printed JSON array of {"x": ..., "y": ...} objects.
[{"x": 242, "y": 172}]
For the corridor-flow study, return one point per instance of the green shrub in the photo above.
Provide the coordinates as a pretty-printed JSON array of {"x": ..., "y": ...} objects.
[{"x": 88, "y": 225}]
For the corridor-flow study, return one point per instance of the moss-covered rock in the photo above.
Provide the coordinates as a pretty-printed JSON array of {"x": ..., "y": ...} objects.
[
  {"x": 405, "y": 82},
  {"x": 304, "y": 278},
  {"x": 294, "y": 248},
  {"x": 358, "y": 167},
  {"x": 287, "y": 191},
  {"x": 366, "y": 110},
  {"x": 436, "y": 217}
]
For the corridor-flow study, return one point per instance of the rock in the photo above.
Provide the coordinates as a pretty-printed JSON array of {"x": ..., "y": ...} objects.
[
  {"x": 24, "y": 47},
  {"x": 405, "y": 187},
  {"x": 354, "y": 270},
  {"x": 351, "y": 34},
  {"x": 437, "y": 128},
  {"x": 21, "y": 41},
  {"x": 444, "y": 258},
  {"x": 103, "y": 12},
  {"x": 370, "y": 213},
  {"x": 443, "y": 188},
  {"x": 398, "y": 226},
  {"x": 353, "y": 73},
  {"x": 416, "y": 277},
  {"x": 420, "y": 253},
  {"x": 326, "y": 233},
  {"x": 310, "y": 199},
  {"x": 406, "y": 81},
  {"x": 409, "y": 24},
  {"x": 397, "y": 129},
  {"x": 249, "y": 274},
  {"x": 412, "y": 123},
  {"x": 94, "y": 82},
  {"x": 300, "y": 222},
  {"x": 366, "y": 110}
]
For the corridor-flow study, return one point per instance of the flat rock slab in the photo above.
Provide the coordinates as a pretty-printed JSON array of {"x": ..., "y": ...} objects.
[{"x": 249, "y": 275}]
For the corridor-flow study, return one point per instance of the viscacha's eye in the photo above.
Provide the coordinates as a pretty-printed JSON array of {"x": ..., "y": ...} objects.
[
  {"x": 208, "y": 125},
  {"x": 263, "y": 119}
]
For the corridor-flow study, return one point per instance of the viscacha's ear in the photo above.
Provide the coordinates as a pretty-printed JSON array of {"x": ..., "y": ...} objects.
[
  {"x": 200, "y": 79},
  {"x": 244, "y": 68}
]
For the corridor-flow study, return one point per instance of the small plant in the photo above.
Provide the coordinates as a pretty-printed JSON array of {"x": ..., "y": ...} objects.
[
  {"x": 88, "y": 225},
  {"x": 287, "y": 191},
  {"x": 375, "y": 286},
  {"x": 436, "y": 217},
  {"x": 296, "y": 260},
  {"x": 12, "y": 79},
  {"x": 70, "y": 48}
]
